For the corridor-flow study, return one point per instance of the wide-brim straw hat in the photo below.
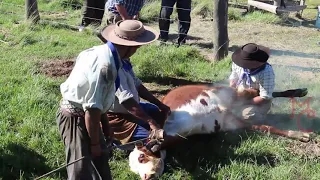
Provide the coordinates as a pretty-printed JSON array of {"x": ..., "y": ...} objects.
[
  {"x": 129, "y": 33},
  {"x": 251, "y": 56}
]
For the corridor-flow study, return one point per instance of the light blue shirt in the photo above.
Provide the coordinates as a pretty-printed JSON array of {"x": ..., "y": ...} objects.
[{"x": 91, "y": 83}]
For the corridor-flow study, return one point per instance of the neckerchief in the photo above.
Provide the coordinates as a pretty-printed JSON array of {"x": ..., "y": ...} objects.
[
  {"x": 116, "y": 61},
  {"x": 247, "y": 74},
  {"x": 126, "y": 65}
]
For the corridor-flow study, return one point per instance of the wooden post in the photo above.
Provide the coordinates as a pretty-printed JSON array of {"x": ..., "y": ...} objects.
[
  {"x": 220, "y": 29},
  {"x": 32, "y": 10},
  {"x": 277, "y": 3},
  {"x": 302, "y": 3}
]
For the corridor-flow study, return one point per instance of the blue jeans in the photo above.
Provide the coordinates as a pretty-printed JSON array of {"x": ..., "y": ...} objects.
[{"x": 143, "y": 128}]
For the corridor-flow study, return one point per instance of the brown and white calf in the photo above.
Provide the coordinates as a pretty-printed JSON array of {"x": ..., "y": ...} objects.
[{"x": 198, "y": 109}]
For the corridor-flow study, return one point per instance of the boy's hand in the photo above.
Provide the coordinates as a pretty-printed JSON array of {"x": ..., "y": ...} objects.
[{"x": 233, "y": 83}]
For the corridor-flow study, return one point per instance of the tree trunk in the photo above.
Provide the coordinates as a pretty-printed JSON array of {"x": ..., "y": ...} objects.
[
  {"x": 32, "y": 10},
  {"x": 220, "y": 29}
]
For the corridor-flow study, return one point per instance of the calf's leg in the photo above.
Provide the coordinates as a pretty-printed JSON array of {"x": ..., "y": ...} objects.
[{"x": 298, "y": 135}]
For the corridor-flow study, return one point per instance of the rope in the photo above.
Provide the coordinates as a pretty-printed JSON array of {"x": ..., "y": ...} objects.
[
  {"x": 84, "y": 157},
  {"x": 47, "y": 174}
]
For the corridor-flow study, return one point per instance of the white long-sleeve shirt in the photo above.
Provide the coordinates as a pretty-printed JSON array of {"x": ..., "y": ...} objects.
[
  {"x": 128, "y": 88},
  {"x": 91, "y": 83}
]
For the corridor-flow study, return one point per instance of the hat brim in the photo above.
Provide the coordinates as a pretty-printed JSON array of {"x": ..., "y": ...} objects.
[
  {"x": 238, "y": 59},
  {"x": 148, "y": 36}
]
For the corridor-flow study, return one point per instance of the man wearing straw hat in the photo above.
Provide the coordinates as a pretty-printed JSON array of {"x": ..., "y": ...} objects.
[
  {"x": 129, "y": 118},
  {"x": 89, "y": 92},
  {"x": 250, "y": 69}
]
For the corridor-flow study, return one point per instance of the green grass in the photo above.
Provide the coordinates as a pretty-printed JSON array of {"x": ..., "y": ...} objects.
[
  {"x": 154, "y": 62},
  {"x": 29, "y": 141}
]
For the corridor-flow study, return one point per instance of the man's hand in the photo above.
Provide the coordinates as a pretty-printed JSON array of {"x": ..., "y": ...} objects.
[{"x": 157, "y": 134}]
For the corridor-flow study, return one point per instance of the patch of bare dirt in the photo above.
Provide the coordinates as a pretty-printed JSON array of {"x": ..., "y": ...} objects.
[
  {"x": 57, "y": 68},
  {"x": 310, "y": 150},
  {"x": 158, "y": 90}
]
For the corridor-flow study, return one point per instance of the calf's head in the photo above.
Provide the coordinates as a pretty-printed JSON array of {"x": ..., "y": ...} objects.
[{"x": 146, "y": 164}]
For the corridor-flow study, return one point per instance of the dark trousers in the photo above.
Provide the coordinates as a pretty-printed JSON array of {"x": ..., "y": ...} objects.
[
  {"x": 93, "y": 12},
  {"x": 183, "y": 16},
  {"x": 76, "y": 141}
]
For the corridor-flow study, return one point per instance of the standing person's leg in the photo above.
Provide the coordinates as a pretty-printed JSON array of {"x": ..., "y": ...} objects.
[
  {"x": 99, "y": 11},
  {"x": 164, "y": 18},
  {"x": 88, "y": 12},
  {"x": 77, "y": 144},
  {"x": 184, "y": 11}
]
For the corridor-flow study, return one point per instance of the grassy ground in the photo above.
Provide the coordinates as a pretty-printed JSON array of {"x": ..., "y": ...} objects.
[{"x": 29, "y": 142}]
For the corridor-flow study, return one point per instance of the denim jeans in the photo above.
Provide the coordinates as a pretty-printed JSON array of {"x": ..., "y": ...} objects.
[{"x": 184, "y": 11}]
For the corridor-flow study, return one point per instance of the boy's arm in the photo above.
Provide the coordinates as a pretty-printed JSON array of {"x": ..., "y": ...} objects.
[
  {"x": 233, "y": 78},
  {"x": 266, "y": 88}
]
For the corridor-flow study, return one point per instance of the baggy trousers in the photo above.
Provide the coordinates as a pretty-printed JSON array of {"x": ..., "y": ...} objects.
[
  {"x": 93, "y": 12},
  {"x": 77, "y": 144},
  {"x": 184, "y": 11}
]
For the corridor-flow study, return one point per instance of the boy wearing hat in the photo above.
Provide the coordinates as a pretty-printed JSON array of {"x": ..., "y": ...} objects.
[
  {"x": 89, "y": 92},
  {"x": 250, "y": 69}
]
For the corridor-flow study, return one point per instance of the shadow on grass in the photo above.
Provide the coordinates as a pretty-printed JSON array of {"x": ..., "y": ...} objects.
[
  {"x": 304, "y": 23},
  {"x": 202, "y": 152},
  {"x": 189, "y": 37},
  {"x": 58, "y": 25},
  {"x": 18, "y": 161},
  {"x": 173, "y": 81},
  {"x": 204, "y": 45}
]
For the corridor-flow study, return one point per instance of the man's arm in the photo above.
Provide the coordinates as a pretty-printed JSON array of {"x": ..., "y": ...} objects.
[
  {"x": 122, "y": 11},
  {"x": 145, "y": 94},
  {"x": 92, "y": 121},
  {"x": 135, "y": 109}
]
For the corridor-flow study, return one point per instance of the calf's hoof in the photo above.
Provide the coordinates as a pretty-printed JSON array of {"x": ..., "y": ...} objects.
[{"x": 301, "y": 136}]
